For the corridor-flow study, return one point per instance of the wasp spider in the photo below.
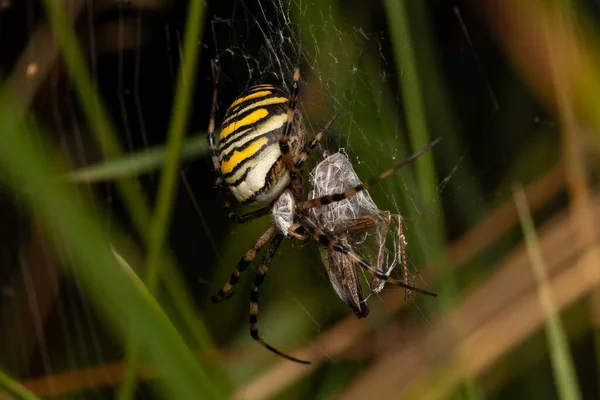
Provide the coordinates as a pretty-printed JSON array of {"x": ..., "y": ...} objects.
[
  {"x": 358, "y": 223},
  {"x": 262, "y": 149}
]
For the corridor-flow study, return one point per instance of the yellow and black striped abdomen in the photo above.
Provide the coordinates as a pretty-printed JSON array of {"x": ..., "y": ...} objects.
[{"x": 251, "y": 161}]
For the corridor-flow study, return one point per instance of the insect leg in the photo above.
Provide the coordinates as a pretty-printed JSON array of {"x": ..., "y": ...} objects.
[{"x": 334, "y": 245}]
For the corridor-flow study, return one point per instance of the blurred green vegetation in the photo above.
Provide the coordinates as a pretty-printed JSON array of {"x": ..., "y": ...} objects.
[{"x": 83, "y": 171}]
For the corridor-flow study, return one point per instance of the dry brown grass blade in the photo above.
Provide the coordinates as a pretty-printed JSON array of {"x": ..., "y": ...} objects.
[
  {"x": 506, "y": 330},
  {"x": 102, "y": 375},
  {"x": 498, "y": 315},
  {"x": 107, "y": 374},
  {"x": 504, "y": 217},
  {"x": 574, "y": 152}
]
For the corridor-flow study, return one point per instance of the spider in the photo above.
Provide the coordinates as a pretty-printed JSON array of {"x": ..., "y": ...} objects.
[
  {"x": 355, "y": 222},
  {"x": 262, "y": 149}
]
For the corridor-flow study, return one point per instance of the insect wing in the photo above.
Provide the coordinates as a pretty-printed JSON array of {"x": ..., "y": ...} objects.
[{"x": 343, "y": 275}]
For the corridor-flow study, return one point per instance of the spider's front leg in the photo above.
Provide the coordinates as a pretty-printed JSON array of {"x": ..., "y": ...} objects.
[{"x": 313, "y": 143}]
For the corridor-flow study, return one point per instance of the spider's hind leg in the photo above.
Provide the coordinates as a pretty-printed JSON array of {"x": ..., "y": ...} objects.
[
  {"x": 225, "y": 292},
  {"x": 258, "y": 280}
]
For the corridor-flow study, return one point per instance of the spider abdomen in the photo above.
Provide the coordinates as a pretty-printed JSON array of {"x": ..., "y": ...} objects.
[{"x": 249, "y": 153}]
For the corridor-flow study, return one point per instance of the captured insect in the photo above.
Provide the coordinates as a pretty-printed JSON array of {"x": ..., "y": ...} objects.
[
  {"x": 355, "y": 222},
  {"x": 259, "y": 159}
]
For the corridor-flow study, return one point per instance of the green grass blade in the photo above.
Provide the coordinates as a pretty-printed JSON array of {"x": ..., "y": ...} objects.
[
  {"x": 177, "y": 129},
  {"x": 135, "y": 203},
  {"x": 397, "y": 12},
  {"x": 169, "y": 178},
  {"x": 9, "y": 385},
  {"x": 96, "y": 114},
  {"x": 407, "y": 68},
  {"x": 562, "y": 364},
  {"x": 413, "y": 97},
  {"x": 440, "y": 113},
  {"x": 136, "y": 164},
  {"x": 116, "y": 292}
]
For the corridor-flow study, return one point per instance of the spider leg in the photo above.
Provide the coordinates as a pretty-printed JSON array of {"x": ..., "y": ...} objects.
[
  {"x": 376, "y": 283},
  {"x": 358, "y": 224},
  {"x": 224, "y": 292},
  {"x": 258, "y": 280},
  {"x": 242, "y": 219},
  {"x": 313, "y": 143},
  {"x": 211, "y": 128},
  {"x": 332, "y": 244},
  {"x": 284, "y": 145},
  {"x": 365, "y": 222},
  {"x": 403, "y": 258},
  {"x": 333, "y": 198}
]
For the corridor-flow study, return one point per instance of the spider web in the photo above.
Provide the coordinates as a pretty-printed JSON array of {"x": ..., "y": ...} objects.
[
  {"x": 134, "y": 51},
  {"x": 347, "y": 75}
]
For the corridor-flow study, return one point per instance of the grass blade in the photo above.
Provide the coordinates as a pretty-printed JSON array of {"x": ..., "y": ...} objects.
[
  {"x": 562, "y": 364},
  {"x": 75, "y": 228},
  {"x": 136, "y": 164},
  {"x": 412, "y": 94},
  {"x": 13, "y": 387},
  {"x": 169, "y": 178},
  {"x": 133, "y": 199},
  {"x": 414, "y": 104}
]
